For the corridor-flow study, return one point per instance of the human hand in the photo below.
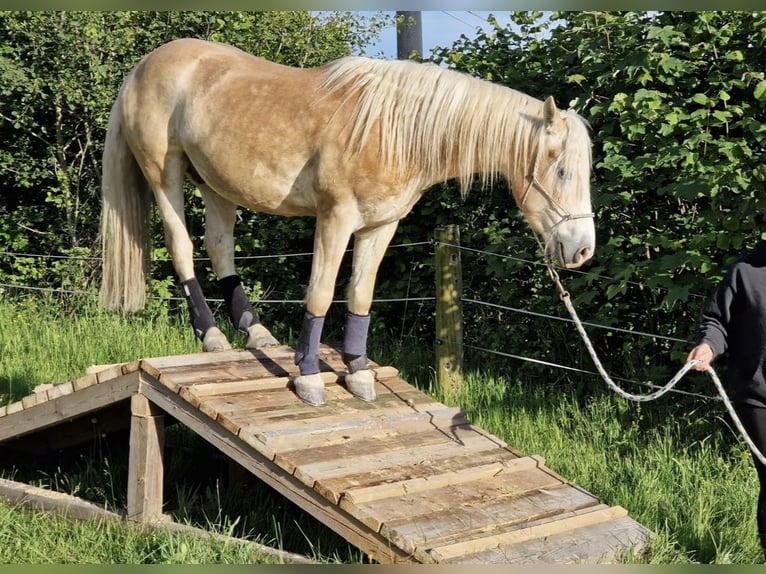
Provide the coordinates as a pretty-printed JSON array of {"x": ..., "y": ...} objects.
[{"x": 703, "y": 354}]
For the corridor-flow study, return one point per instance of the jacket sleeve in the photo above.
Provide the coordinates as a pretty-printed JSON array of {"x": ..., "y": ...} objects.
[{"x": 716, "y": 316}]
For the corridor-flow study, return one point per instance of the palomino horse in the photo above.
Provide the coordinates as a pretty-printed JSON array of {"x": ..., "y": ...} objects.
[{"x": 354, "y": 143}]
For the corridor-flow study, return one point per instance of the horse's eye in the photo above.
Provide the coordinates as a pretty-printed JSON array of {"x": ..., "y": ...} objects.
[{"x": 561, "y": 173}]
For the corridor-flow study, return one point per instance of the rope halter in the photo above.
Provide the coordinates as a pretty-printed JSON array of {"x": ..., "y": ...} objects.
[{"x": 562, "y": 212}]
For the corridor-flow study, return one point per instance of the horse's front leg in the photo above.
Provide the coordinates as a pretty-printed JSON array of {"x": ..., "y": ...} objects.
[
  {"x": 330, "y": 240},
  {"x": 369, "y": 248}
]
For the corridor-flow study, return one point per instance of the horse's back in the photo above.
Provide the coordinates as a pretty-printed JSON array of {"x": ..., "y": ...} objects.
[{"x": 189, "y": 64}]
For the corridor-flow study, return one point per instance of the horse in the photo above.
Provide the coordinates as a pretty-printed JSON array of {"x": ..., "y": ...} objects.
[{"x": 354, "y": 143}]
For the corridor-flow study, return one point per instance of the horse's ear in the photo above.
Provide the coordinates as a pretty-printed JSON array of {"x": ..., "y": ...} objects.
[{"x": 550, "y": 112}]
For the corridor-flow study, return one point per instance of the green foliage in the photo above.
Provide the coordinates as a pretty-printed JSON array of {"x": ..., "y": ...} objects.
[
  {"x": 676, "y": 105},
  {"x": 60, "y": 73},
  {"x": 675, "y": 100}
]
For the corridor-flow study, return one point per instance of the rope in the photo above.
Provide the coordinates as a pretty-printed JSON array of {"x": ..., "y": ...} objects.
[{"x": 564, "y": 294}]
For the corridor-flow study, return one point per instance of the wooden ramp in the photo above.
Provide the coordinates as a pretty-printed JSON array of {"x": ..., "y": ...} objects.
[{"x": 404, "y": 478}]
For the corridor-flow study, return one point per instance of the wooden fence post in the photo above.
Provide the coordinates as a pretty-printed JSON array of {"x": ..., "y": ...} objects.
[{"x": 449, "y": 310}]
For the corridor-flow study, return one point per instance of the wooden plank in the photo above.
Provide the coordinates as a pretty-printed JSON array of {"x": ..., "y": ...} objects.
[
  {"x": 445, "y": 479},
  {"x": 249, "y": 383},
  {"x": 475, "y": 515},
  {"x": 93, "y": 369},
  {"x": 84, "y": 382},
  {"x": 310, "y": 468},
  {"x": 272, "y": 411},
  {"x": 109, "y": 373},
  {"x": 341, "y": 406},
  {"x": 67, "y": 407},
  {"x": 334, "y": 488},
  {"x": 245, "y": 385},
  {"x": 376, "y": 546},
  {"x": 172, "y": 361},
  {"x": 606, "y": 542},
  {"x": 16, "y": 407},
  {"x": 458, "y": 549},
  {"x": 215, "y": 374},
  {"x": 60, "y": 390},
  {"x": 331, "y": 430},
  {"x": 33, "y": 399},
  {"x": 279, "y": 355},
  {"x": 458, "y": 504},
  {"x": 145, "y": 464}
]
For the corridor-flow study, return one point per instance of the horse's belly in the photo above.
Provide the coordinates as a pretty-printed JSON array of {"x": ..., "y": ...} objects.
[{"x": 278, "y": 192}]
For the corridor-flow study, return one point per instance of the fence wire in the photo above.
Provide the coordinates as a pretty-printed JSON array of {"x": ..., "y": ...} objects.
[{"x": 406, "y": 300}]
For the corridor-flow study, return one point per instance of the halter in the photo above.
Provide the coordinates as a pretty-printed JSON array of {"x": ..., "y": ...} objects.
[{"x": 562, "y": 211}]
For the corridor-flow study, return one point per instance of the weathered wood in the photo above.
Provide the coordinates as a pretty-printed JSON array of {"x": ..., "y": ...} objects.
[
  {"x": 18, "y": 422},
  {"x": 444, "y": 479},
  {"x": 449, "y": 310},
  {"x": 577, "y": 520},
  {"x": 309, "y": 469},
  {"x": 377, "y": 547},
  {"x": 403, "y": 478},
  {"x": 330, "y": 430},
  {"x": 145, "y": 465},
  {"x": 335, "y": 488},
  {"x": 475, "y": 514},
  {"x": 465, "y": 500},
  {"x": 60, "y": 390}
]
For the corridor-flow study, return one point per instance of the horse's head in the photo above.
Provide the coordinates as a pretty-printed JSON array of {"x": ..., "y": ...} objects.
[{"x": 555, "y": 195}]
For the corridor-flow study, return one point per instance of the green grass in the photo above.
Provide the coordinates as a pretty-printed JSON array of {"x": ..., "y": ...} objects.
[
  {"x": 675, "y": 464},
  {"x": 40, "y": 538}
]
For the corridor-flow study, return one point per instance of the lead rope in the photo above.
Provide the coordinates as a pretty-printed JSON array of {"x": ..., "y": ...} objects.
[{"x": 564, "y": 295}]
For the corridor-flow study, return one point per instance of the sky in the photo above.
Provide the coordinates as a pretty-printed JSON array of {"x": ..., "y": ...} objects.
[{"x": 440, "y": 28}]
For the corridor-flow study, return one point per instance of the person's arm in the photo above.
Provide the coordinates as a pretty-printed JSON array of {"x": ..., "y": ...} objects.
[{"x": 712, "y": 336}]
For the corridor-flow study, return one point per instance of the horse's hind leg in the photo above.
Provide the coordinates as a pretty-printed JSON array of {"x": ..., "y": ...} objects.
[
  {"x": 168, "y": 192},
  {"x": 220, "y": 216}
]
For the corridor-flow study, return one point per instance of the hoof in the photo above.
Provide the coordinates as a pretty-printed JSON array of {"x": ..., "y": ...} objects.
[
  {"x": 258, "y": 337},
  {"x": 310, "y": 389},
  {"x": 361, "y": 384},
  {"x": 214, "y": 341}
]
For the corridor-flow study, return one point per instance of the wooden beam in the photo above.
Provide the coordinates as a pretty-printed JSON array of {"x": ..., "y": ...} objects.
[
  {"x": 145, "y": 464},
  {"x": 21, "y": 421}
]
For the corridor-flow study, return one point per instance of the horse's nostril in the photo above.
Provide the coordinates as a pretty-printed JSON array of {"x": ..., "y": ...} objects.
[{"x": 584, "y": 254}]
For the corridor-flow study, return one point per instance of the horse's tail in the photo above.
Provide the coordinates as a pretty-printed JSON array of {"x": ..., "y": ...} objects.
[{"x": 125, "y": 211}]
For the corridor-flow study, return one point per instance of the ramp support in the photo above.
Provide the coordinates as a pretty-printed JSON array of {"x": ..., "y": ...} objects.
[{"x": 145, "y": 464}]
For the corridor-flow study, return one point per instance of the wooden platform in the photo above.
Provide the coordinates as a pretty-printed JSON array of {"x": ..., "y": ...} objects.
[{"x": 404, "y": 478}]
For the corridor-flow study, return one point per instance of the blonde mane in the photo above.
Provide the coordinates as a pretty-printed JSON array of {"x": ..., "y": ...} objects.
[{"x": 443, "y": 120}]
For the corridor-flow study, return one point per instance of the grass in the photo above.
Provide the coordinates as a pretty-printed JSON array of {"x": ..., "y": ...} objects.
[{"x": 675, "y": 464}]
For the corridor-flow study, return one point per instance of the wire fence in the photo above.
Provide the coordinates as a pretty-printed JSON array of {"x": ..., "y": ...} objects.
[{"x": 406, "y": 300}]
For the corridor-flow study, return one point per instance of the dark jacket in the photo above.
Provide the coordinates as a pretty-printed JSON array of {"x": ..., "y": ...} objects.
[{"x": 734, "y": 320}]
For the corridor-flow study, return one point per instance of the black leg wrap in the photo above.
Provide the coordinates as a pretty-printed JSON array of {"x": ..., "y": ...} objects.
[
  {"x": 355, "y": 342},
  {"x": 242, "y": 313},
  {"x": 307, "y": 350},
  {"x": 201, "y": 317}
]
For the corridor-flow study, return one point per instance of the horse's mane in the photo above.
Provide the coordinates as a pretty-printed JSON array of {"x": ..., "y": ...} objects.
[{"x": 435, "y": 116}]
